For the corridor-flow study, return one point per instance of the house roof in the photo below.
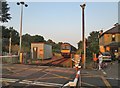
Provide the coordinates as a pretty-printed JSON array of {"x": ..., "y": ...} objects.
[{"x": 113, "y": 30}]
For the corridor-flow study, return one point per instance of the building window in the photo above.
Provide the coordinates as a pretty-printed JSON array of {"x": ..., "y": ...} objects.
[{"x": 113, "y": 37}]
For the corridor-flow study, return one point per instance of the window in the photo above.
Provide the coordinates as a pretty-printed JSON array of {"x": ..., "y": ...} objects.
[{"x": 113, "y": 37}]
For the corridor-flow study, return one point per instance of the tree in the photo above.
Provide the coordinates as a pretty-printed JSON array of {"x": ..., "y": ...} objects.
[
  {"x": 60, "y": 43},
  {"x": 93, "y": 42},
  {"x": 37, "y": 38},
  {"x": 26, "y": 42},
  {"x": 49, "y": 41},
  {"x": 27, "y": 38},
  {"x": 14, "y": 36},
  {"x": 5, "y": 39},
  {"x": 4, "y": 15},
  {"x": 6, "y": 32},
  {"x": 80, "y": 44},
  {"x": 80, "y": 47},
  {"x": 55, "y": 46}
]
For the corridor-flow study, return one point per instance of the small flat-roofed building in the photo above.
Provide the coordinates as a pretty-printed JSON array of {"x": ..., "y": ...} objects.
[{"x": 41, "y": 51}]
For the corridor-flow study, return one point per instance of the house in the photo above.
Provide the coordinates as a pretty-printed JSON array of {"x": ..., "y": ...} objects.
[{"x": 110, "y": 40}]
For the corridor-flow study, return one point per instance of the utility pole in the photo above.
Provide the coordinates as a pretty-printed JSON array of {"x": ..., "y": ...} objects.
[
  {"x": 83, "y": 32},
  {"x": 10, "y": 43}
]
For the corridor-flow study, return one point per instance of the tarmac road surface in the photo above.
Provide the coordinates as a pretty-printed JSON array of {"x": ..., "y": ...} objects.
[
  {"x": 28, "y": 75},
  {"x": 107, "y": 77}
]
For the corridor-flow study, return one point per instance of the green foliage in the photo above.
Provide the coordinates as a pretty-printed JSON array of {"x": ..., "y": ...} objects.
[
  {"x": 4, "y": 15},
  {"x": 6, "y": 34},
  {"x": 93, "y": 42},
  {"x": 80, "y": 45},
  {"x": 27, "y": 39},
  {"x": 14, "y": 36},
  {"x": 88, "y": 53},
  {"x": 37, "y": 38},
  {"x": 55, "y": 46}
]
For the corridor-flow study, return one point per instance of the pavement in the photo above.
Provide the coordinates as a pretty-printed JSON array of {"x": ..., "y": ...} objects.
[
  {"x": 107, "y": 77},
  {"x": 93, "y": 78}
]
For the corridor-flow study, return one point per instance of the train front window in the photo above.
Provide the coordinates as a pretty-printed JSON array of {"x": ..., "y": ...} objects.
[{"x": 65, "y": 47}]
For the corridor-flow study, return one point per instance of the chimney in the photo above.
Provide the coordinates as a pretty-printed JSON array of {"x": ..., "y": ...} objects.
[
  {"x": 101, "y": 32},
  {"x": 116, "y": 24}
]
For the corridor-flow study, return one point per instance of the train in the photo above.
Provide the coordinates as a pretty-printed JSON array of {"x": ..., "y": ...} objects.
[{"x": 67, "y": 49}]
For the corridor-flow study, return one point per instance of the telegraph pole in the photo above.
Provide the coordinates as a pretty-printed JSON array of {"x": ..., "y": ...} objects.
[
  {"x": 10, "y": 43},
  {"x": 83, "y": 32}
]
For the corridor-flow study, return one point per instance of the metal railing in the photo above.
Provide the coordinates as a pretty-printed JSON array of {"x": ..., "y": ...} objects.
[{"x": 10, "y": 59}]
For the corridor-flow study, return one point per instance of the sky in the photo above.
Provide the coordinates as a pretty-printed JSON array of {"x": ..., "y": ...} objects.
[{"x": 61, "y": 21}]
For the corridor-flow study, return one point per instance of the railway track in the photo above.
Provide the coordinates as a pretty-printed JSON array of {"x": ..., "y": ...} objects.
[{"x": 57, "y": 62}]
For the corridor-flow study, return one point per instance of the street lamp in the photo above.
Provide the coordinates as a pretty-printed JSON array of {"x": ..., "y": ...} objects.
[
  {"x": 21, "y": 16},
  {"x": 83, "y": 32}
]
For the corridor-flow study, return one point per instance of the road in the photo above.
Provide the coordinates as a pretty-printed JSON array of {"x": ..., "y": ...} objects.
[
  {"x": 113, "y": 73},
  {"x": 107, "y": 77},
  {"x": 31, "y": 76}
]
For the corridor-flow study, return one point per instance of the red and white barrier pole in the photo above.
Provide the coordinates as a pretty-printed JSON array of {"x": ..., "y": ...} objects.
[{"x": 77, "y": 77}]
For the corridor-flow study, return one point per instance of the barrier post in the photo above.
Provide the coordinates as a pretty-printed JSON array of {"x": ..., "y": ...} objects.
[{"x": 21, "y": 58}]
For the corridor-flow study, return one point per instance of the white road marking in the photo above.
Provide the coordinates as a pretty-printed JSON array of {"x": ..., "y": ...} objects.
[
  {"x": 104, "y": 72},
  {"x": 30, "y": 82},
  {"x": 49, "y": 83},
  {"x": 40, "y": 83},
  {"x": 8, "y": 80},
  {"x": 113, "y": 78}
]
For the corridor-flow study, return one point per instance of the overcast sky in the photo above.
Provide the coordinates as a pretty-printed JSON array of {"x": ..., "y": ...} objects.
[{"x": 61, "y": 21}]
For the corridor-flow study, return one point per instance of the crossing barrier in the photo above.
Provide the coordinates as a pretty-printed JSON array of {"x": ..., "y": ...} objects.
[{"x": 77, "y": 77}]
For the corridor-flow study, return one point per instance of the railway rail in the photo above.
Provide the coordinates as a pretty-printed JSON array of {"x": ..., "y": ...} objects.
[{"x": 57, "y": 62}]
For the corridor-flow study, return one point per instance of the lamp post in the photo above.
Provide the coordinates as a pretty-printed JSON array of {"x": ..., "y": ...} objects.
[
  {"x": 83, "y": 32},
  {"x": 21, "y": 17}
]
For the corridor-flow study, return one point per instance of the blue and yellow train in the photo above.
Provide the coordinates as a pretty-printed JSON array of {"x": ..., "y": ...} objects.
[{"x": 67, "y": 49}]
